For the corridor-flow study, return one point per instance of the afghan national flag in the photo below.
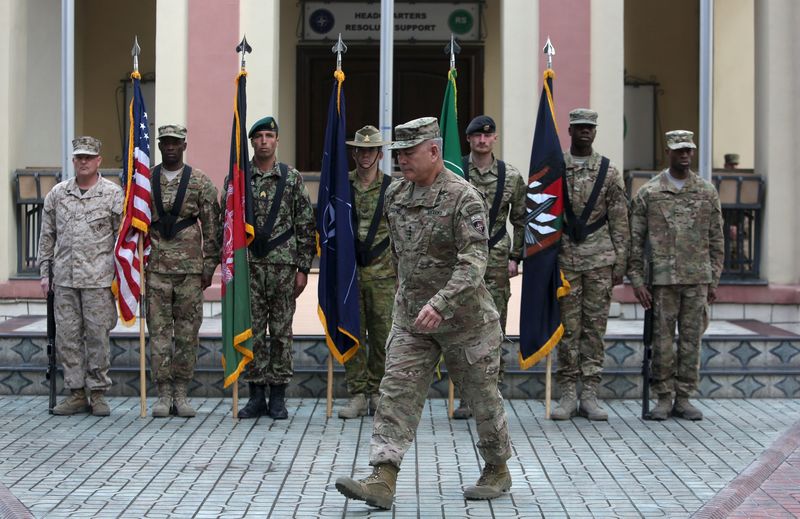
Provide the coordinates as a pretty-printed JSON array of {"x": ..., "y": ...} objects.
[
  {"x": 542, "y": 283},
  {"x": 448, "y": 122},
  {"x": 127, "y": 285},
  {"x": 238, "y": 232},
  {"x": 338, "y": 282}
]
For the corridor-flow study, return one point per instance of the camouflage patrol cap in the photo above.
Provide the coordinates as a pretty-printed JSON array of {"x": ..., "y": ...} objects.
[
  {"x": 368, "y": 137},
  {"x": 583, "y": 116},
  {"x": 732, "y": 158},
  {"x": 414, "y": 132},
  {"x": 86, "y": 146},
  {"x": 481, "y": 124},
  {"x": 678, "y": 139},
  {"x": 265, "y": 123},
  {"x": 172, "y": 130}
]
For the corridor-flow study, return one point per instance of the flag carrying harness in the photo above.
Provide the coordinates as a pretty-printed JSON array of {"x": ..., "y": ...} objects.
[
  {"x": 168, "y": 225},
  {"x": 498, "y": 198},
  {"x": 365, "y": 252},
  {"x": 578, "y": 229},
  {"x": 262, "y": 245}
]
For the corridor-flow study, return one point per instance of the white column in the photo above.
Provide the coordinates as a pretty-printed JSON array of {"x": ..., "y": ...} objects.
[
  {"x": 521, "y": 81},
  {"x": 67, "y": 85},
  {"x": 259, "y": 21},
  {"x": 706, "y": 89},
  {"x": 607, "y": 94},
  {"x": 8, "y": 37},
  {"x": 172, "y": 55}
]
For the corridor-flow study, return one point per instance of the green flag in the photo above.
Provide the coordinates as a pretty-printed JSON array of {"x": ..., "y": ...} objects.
[{"x": 448, "y": 123}]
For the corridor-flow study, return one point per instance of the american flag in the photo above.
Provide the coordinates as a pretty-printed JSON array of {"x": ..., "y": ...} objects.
[{"x": 136, "y": 217}]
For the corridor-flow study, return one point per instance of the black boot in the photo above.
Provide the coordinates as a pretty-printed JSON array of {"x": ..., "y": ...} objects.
[
  {"x": 257, "y": 405},
  {"x": 277, "y": 402}
]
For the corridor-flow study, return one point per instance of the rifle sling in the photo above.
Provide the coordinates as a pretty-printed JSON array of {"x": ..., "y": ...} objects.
[
  {"x": 577, "y": 228},
  {"x": 262, "y": 244},
  {"x": 498, "y": 198},
  {"x": 366, "y": 253},
  {"x": 168, "y": 224}
]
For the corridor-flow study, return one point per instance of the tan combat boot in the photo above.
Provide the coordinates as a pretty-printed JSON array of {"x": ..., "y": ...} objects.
[
  {"x": 494, "y": 481},
  {"x": 377, "y": 489},
  {"x": 589, "y": 408},
  {"x": 463, "y": 411},
  {"x": 568, "y": 405},
  {"x": 684, "y": 409},
  {"x": 357, "y": 406},
  {"x": 663, "y": 408},
  {"x": 182, "y": 406},
  {"x": 99, "y": 404},
  {"x": 162, "y": 407},
  {"x": 74, "y": 403}
]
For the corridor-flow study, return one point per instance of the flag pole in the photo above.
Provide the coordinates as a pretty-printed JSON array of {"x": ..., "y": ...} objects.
[{"x": 548, "y": 51}]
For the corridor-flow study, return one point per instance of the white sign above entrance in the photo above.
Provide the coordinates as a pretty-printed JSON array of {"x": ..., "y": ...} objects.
[{"x": 420, "y": 21}]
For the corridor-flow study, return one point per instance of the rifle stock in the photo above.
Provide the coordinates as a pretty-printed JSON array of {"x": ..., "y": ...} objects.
[
  {"x": 51, "y": 341},
  {"x": 647, "y": 354}
]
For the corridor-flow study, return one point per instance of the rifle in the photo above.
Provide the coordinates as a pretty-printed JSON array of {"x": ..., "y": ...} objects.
[
  {"x": 51, "y": 340},
  {"x": 647, "y": 340}
]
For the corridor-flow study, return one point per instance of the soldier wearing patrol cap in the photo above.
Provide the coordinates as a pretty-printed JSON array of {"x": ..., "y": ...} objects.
[
  {"x": 80, "y": 221},
  {"x": 503, "y": 187},
  {"x": 437, "y": 223},
  {"x": 184, "y": 253},
  {"x": 679, "y": 214},
  {"x": 376, "y": 275},
  {"x": 280, "y": 259},
  {"x": 593, "y": 257}
]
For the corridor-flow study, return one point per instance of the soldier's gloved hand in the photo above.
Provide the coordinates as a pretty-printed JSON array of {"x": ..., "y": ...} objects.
[
  {"x": 712, "y": 294},
  {"x": 428, "y": 318},
  {"x": 300, "y": 282},
  {"x": 644, "y": 296},
  {"x": 616, "y": 280},
  {"x": 205, "y": 281},
  {"x": 513, "y": 269},
  {"x": 45, "y": 284}
]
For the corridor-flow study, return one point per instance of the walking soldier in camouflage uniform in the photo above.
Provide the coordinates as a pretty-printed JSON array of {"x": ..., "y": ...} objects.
[
  {"x": 504, "y": 188},
  {"x": 184, "y": 253},
  {"x": 280, "y": 259},
  {"x": 80, "y": 221},
  {"x": 679, "y": 214},
  {"x": 593, "y": 258},
  {"x": 437, "y": 223},
  {"x": 376, "y": 276}
]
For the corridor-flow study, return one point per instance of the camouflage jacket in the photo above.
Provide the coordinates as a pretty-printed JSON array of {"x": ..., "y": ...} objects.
[
  {"x": 439, "y": 243},
  {"x": 685, "y": 232},
  {"x": 79, "y": 232},
  {"x": 295, "y": 211},
  {"x": 511, "y": 205},
  {"x": 365, "y": 204},
  {"x": 194, "y": 250},
  {"x": 608, "y": 245}
]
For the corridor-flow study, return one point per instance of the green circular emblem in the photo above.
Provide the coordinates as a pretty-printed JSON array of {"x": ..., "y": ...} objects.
[{"x": 460, "y": 21}]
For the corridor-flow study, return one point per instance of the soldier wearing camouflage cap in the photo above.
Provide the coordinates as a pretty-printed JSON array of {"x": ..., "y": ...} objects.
[
  {"x": 680, "y": 215},
  {"x": 80, "y": 221},
  {"x": 376, "y": 275},
  {"x": 593, "y": 256},
  {"x": 503, "y": 187},
  {"x": 184, "y": 253},
  {"x": 437, "y": 223},
  {"x": 280, "y": 258}
]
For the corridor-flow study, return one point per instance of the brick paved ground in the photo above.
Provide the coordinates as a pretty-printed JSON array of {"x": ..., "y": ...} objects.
[{"x": 124, "y": 466}]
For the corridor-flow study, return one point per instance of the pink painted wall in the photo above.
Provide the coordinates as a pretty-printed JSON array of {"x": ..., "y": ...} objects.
[
  {"x": 212, "y": 68},
  {"x": 568, "y": 23}
]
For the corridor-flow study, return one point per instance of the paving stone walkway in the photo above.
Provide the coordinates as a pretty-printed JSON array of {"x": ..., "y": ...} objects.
[{"x": 124, "y": 466}]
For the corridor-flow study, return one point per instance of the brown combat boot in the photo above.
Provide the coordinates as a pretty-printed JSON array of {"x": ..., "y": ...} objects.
[
  {"x": 181, "y": 401},
  {"x": 74, "y": 403},
  {"x": 568, "y": 405},
  {"x": 356, "y": 407},
  {"x": 684, "y": 409},
  {"x": 589, "y": 408},
  {"x": 663, "y": 408},
  {"x": 495, "y": 480},
  {"x": 162, "y": 407},
  {"x": 99, "y": 404},
  {"x": 463, "y": 411},
  {"x": 377, "y": 489}
]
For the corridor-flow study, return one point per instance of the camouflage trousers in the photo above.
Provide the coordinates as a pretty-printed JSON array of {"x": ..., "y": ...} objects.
[
  {"x": 584, "y": 313},
  {"x": 499, "y": 286},
  {"x": 272, "y": 305},
  {"x": 84, "y": 318},
  {"x": 174, "y": 312},
  {"x": 472, "y": 356},
  {"x": 364, "y": 370},
  {"x": 678, "y": 372}
]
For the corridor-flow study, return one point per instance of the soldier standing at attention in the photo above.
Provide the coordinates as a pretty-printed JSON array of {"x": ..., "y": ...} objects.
[
  {"x": 437, "y": 224},
  {"x": 504, "y": 188},
  {"x": 280, "y": 259},
  {"x": 679, "y": 214},
  {"x": 593, "y": 258},
  {"x": 376, "y": 276},
  {"x": 184, "y": 253},
  {"x": 80, "y": 222}
]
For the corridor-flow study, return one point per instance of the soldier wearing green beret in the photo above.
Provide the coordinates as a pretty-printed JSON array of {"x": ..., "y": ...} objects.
[
  {"x": 280, "y": 258},
  {"x": 679, "y": 214}
]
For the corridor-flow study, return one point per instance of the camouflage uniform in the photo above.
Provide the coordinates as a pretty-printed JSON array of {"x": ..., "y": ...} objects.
[
  {"x": 272, "y": 277},
  {"x": 174, "y": 272},
  {"x": 376, "y": 283},
  {"x": 588, "y": 267},
  {"x": 439, "y": 242},
  {"x": 684, "y": 228},
  {"x": 78, "y": 236}
]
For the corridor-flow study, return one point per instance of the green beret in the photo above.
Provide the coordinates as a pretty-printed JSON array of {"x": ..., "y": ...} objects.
[{"x": 267, "y": 123}]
